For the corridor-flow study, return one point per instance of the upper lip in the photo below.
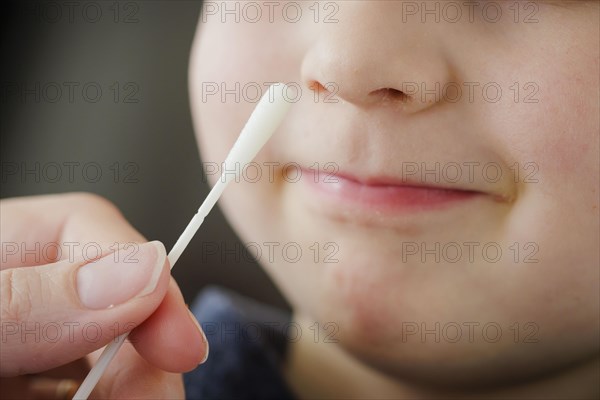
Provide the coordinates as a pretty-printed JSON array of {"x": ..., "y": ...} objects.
[{"x": 389, "y": 181}]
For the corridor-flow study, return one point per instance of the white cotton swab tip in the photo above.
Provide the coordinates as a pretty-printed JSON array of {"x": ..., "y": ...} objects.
[
  {"x": 267, "y": 116},
  {"x": 265, "y": 119}
]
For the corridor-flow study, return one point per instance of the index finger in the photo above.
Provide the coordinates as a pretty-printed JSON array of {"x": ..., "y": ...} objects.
[{"x": 40, "y": 230}]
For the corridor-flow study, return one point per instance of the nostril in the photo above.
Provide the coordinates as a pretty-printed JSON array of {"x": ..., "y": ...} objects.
[
  {"x": 324, "y": 92},
  {"x": 329, "y": 91},
  {"x": 316, "y": 86},
  {"x": 388, "y": 95}
]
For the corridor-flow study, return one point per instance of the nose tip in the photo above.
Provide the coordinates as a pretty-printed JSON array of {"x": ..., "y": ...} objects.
[{"x": 348, "y": 61}]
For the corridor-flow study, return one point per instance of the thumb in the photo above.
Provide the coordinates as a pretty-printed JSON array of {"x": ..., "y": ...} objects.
[{"x": 56, "y": 313}]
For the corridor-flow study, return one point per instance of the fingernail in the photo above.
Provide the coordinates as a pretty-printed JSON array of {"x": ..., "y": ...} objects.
[
  {"x": 121, "y": 276},
  {"x": 204, "y": 340}
]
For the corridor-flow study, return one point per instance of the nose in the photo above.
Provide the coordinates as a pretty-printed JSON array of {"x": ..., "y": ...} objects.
[{"x": 349, "y": 60}]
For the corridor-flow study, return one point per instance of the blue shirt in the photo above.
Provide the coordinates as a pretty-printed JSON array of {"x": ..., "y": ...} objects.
[{"x": 248, "y": 344}]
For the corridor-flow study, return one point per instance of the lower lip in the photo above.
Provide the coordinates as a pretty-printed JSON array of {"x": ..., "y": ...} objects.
[{"x": 383, "y": 196}]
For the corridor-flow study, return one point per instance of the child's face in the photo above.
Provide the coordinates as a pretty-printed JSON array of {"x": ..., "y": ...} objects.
[{"x": 433, "y": 284}]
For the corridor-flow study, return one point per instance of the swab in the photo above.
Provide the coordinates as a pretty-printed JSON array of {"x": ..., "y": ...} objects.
[{"x": 263, "y": 122}]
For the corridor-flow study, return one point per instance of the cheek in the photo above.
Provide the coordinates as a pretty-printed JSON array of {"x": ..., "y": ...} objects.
[
  {"x": 219, "y": 70},
  {"x": 230, "y": 70},
  {"x": 566, "y": 132},
  {"x": 559, "y": 133}
]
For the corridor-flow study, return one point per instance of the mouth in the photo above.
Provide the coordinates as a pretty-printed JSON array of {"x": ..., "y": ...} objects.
[{"x": 382, "y": 194}]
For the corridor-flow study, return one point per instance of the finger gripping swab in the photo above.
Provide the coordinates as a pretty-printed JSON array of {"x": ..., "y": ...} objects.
[{"x": 263, "y": 122}]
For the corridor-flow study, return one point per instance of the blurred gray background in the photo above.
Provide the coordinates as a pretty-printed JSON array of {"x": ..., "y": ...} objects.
[{"x": 136, "y": 130}]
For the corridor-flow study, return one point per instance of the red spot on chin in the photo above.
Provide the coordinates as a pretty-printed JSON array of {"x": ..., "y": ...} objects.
[{"x": 360, "y": 291}]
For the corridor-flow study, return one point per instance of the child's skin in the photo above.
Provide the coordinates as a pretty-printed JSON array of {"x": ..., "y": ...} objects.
[{"x": 375, "y": 294}]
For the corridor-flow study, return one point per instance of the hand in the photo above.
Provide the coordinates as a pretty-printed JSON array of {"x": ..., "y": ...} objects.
[{"x": 60, "y": 301}]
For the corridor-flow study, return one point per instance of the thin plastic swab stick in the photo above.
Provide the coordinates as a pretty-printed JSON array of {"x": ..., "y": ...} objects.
[{"x": 263, "y": 122}]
